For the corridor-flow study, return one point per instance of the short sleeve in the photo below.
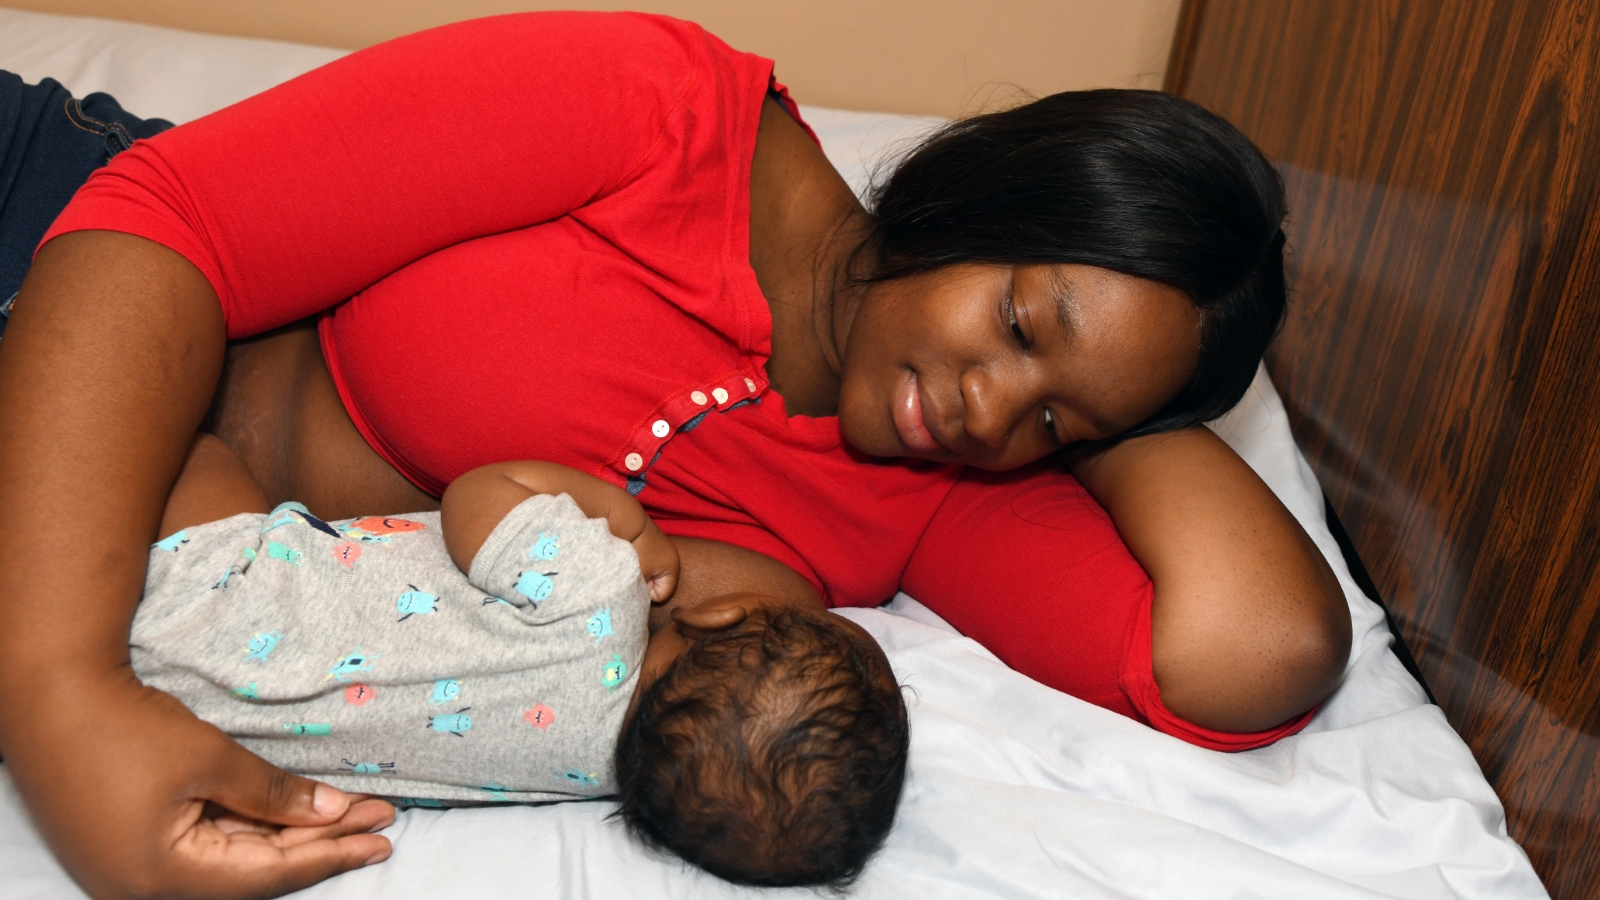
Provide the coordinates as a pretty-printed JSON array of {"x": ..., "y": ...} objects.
[
  {"x": 299, "y": 197},
  {"x": 518, "y": 560}
]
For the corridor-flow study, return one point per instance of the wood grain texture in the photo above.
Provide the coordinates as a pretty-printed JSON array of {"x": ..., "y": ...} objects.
[
  {"x": 1441, "y": 361},
  {"x": 1180, "y": 59}
]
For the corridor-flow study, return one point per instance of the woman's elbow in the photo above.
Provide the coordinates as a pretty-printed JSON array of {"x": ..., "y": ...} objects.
[{"x": 1251, "y": 673}]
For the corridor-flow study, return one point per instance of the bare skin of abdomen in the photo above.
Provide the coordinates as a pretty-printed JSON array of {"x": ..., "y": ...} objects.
[{"x": 276, "y": 406}]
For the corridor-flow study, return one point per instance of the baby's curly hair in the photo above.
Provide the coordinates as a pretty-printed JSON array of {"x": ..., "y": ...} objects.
[{"x": 771, "y": 754}]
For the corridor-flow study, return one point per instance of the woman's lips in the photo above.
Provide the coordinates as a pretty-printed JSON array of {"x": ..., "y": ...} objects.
[{"x": 908, "y": 419}]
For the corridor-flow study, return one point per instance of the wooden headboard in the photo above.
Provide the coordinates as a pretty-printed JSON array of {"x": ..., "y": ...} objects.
[{"x": 1441, "y": 360}]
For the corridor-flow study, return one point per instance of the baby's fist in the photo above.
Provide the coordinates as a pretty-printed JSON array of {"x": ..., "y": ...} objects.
[{"x": 658, "y": 562}]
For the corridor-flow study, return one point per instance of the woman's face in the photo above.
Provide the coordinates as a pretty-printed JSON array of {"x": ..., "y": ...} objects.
[{"x": 997, "y": 366}]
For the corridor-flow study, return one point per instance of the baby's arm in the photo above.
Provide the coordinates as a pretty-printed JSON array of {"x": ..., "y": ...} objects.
[
  {"x": 212, "y": 485},
  {"x": 476, "y": 502}
]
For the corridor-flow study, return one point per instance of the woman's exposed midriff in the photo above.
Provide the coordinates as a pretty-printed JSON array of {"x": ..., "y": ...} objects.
[{"x": 276, "y": 406}]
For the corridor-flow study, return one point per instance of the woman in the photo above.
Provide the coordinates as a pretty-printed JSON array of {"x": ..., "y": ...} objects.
[{"x": 607, "y": 241}]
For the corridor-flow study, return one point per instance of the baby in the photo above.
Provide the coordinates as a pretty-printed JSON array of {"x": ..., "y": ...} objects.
[{"x": 763, "y": 741}]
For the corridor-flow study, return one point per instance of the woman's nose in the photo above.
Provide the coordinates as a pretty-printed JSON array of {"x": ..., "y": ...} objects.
[{"x": 986, "y": 416}]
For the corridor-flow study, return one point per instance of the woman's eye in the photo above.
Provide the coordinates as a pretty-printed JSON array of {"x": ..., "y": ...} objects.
[
  {"x": 1016, "y": 327},
  {"x": 1050, "y": 426}
]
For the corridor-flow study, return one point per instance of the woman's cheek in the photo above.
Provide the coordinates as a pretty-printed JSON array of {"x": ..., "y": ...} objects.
[{"x": 863, "y": 426}]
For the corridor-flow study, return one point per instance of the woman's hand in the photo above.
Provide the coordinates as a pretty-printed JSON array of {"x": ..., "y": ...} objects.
[{"x": 156, "y": 803}]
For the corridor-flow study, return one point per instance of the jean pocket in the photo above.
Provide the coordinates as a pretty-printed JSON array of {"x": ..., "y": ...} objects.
[{"x": 115, "y": 134}]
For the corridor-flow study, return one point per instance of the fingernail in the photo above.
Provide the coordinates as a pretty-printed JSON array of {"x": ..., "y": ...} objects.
[
  {"x": 378, "y": 857},
  {"x": 329, "y": 801}
]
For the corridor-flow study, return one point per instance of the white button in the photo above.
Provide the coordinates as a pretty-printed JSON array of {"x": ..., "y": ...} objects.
[
  {"x": 660, "y": 428},
  {"x": 634, "y": 461},
  {"x": 751, "y": 384},
  {"x": 698, "y": 397},
  {"x": 720, "y": 394}
]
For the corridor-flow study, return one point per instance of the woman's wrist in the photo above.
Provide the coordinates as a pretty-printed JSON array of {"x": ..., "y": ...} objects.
[
  {"x": 36, "y": 668},
  {"x": 45, "y": 709}
]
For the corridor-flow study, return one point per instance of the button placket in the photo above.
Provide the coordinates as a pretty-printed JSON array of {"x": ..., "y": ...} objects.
[{"x": 641, "y": 453}]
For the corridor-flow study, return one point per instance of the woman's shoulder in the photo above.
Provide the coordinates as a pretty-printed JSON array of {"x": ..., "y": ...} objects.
[{"x": 615, "y": 45}]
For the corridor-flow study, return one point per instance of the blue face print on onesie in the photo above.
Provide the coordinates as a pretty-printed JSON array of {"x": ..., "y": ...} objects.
[
  {"x": 546, "y": 547},
  {"x": 307, "y": 729},
  {"x": 536, "y": 586},
  {"x": 284, "y": 552},
  {"x": 222, "y": 583},
  {"x": 262, "y": 645},
  {"x": 351, "y": 664},
  {"x": 454, "y": 723},
  {"x": 415, "y": 602},
  {"x": 369, "y": 768},
  {"x": 578, "y": 779},
  {"x": 616, "y": 670},
  {"x": 291, "y": 513},
  {"x": 283, "y": 514},
  {"x": 445, "y": 690},
  {"x": 170, "y": 543},
  {"x": 600, "y": 625}
]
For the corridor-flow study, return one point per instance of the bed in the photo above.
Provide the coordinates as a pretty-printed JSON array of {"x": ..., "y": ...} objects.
[{"x": 1014, "y": 790}]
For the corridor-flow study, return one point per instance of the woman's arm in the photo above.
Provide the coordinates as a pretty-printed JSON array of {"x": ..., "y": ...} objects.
[
  {"x": 1250, "y": 627},
  {"x": 107, "y": 366},
  {"x": 306, "y": 194},
  {"x": 476, "y": 502}
]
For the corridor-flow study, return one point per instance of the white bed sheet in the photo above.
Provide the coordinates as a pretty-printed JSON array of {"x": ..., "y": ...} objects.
[{"x": 1014, "y": 790}]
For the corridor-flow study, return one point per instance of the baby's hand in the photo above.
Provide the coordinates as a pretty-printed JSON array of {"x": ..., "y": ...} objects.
[{"x": 658, "y": 561}]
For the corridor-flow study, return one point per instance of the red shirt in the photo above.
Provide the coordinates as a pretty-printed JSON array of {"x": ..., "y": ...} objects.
[
  {"x": 531, "y": 237},
  {"x": 528, "y": 236}
]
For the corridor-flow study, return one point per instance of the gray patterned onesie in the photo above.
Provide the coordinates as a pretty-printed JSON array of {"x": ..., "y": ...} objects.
[{"x": 357, "y": 653}]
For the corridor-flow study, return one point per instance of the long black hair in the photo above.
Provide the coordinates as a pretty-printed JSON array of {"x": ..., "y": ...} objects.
[{"x": 1140, "y": 182}]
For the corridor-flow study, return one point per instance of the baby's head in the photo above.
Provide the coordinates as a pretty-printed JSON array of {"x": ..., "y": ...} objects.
[{"x": 767, "y": 746}]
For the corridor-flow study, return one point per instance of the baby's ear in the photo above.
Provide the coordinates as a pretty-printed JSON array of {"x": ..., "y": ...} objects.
[{"x": 716, "y": 614}]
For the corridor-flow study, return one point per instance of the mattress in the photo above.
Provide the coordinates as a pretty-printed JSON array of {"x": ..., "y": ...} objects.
[{"x": 1014, "y": 790}]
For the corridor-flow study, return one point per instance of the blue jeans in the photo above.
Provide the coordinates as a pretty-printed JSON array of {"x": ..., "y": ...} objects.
[{"x": 49, "y": 143}]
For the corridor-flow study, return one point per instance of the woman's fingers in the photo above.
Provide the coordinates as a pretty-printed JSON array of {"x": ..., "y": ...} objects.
[
  {"x": 213, "y": 863},
  {"x": 248, "y": 785},
  {"x": 363, "y": 817},
  {"x": 234, "y": 846},
  {"x": 178, "y": 809},
  {"x": 658, "y": 562}
]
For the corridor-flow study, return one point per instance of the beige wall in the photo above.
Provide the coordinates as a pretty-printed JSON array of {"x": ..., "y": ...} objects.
[{"x": 914, "y": 56}]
